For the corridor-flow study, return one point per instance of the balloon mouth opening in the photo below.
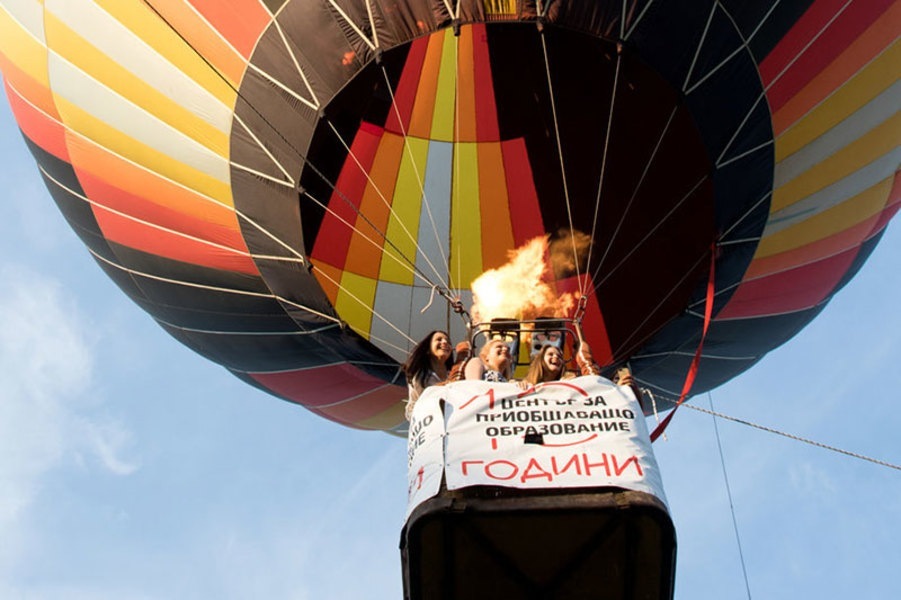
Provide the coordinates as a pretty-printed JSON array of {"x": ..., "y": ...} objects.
[
  {"x": 486, "y": 154},
  {"x": 419, "y": 175}
]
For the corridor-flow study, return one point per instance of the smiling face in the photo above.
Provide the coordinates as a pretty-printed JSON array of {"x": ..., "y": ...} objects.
[
  {"x": 440, "y": 347},
  {"x": 553, "y": 360},
  {"x": 496, "y": 355}
]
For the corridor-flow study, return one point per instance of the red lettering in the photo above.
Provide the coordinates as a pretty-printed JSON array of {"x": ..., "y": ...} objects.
[
  {"x": 588, "y": 465},
  {"x": 489, "y": 393},
  {"x": 488, "y": 469},
  {"x": 632, "y": 459},
  {"x": 526, "y": 474},
  {"x": 470, "y": 462},
  {"x": 572, "y": 462}
]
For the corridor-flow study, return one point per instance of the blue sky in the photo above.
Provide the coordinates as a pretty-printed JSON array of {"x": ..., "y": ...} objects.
[{"x": 132, "y": 468}]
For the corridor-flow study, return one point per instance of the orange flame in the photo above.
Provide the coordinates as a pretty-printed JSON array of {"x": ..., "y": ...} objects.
[
  {"x": 568, "y": 250},
  {"x": 519, "y": 289}
]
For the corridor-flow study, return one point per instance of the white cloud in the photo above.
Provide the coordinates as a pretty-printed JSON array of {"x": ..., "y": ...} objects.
[
  {"x": 43, "y": 362},
  {"x": 109, "y": 440},
  {"x": 812, "y": 480},
  {"x": 46, "y": 366}
]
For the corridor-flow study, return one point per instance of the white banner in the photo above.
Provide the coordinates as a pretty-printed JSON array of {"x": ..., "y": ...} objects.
[
  {"x": 583, "y": 432},
  {"x": 425, "y": 448}
]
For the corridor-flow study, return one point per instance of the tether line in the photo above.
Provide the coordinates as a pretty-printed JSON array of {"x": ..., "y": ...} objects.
[
  {"x": 719, "y": 445},
  {"x": 784, "y": 434}
]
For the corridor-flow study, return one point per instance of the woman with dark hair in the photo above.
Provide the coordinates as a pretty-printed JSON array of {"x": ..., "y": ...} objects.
[
  {"x": 548, "y": 365},
  {"x": 428, "y": 364}
]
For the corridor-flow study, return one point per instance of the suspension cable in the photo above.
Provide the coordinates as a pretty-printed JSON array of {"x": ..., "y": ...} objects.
[
  {"x": 403, "y": 264},
  {"x": 644, "y": 173},
  {"x": 628, "y": 346},
  {"x": 456, "y": 177},
  {"x": 790, "y": 436},
  {"x": 388, "y": 205},
  {"x": 649, "y": 233},
  {"x": 184, "y": 283},
  {"x": 419, "y": 181},
  {"x": 607, "y": 135},
  {"x": 719, "y": 445},
  {"x": 550, "y": 86},
  {"x": 455, "y": 161}
]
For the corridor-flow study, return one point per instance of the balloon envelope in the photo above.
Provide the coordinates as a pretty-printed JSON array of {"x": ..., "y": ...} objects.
[{"x": 284, "y": 185}]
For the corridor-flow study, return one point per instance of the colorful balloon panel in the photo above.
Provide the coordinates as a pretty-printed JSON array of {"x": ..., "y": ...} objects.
[{"x": 284, "y": 184}]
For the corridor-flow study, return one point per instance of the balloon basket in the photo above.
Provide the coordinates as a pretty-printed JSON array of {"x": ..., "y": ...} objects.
[{"x": 492, "y": 542}]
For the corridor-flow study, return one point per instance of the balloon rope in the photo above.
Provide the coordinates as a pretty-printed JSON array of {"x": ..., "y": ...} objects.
[
  {"x": 297, "y": 256},
  {"x": 686, "y": 90},
  {"x": 419, "y": 181},
  {"x": 719, "y": 161},
  {"x": 372, "y": 27},
  {"x": 224, "y": 290},
  {"x": 288, "y": 181},
  {"x": 431, "y": 299},
  {"x": 237, "y": 292},
  {"x": 222, "y": 248},
  {"x": 647, "y": 168},
  {"x": 622, "y": 21},
  {"x": 403, "y": 263},
  {"x": 745, "y": 46},
  {"x": 455, "y": 168},
  {"x": 390, "y": 207},
  {"x": 650, "y": 233},
  {"x": 719, "y": 445},
  {"x": 367, "y": 307},
  {"x": 638, "y": 20},
  {"x": 693, "y": 370},
  {"x": 382, "y": 234},
  {"x": 628, "y": 346},
  {"x": 790, "y": 436},
  {"x": 747, "y": 213},
  {"x": 454, "y": 13},
  {"x": 550, "y": 87},
  {"x": 371, "y": 43},
  {"x": 653, "y": 405},
  {"x": 694, "y": 60},
  {"x": 597, "y": 203},
  {"x": 723, "y": 242}
]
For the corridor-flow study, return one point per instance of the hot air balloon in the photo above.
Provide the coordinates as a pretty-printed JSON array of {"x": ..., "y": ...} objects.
[
  {"x": 293, "y": 188},
  {"x": 300, "y": 190}
]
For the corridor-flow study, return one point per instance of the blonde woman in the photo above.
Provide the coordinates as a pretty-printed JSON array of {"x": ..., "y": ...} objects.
[{"x": 494, "y": 363}]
